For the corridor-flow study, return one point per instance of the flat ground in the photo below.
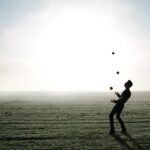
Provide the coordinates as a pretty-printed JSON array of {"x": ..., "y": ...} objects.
[{"x": 72, "y": 125}]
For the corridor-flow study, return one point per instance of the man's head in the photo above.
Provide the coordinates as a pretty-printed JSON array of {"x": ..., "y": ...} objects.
[{"x": 128, "y": 84}]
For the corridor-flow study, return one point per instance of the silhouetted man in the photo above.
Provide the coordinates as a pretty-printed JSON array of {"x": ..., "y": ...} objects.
[{"x": 119, "y": 107}]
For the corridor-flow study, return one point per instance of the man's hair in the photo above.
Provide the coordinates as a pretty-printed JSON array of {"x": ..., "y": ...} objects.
[{"x": 130, "y": 83}]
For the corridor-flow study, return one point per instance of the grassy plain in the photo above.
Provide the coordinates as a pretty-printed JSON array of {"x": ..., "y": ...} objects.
[{"x": 71, "y": 122}]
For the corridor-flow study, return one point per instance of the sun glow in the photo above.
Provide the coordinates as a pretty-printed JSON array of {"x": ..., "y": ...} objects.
[{"x": 73, "y": 52}]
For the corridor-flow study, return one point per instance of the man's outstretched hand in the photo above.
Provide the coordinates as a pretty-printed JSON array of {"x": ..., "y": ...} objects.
[
  {"x": 118, "y": 94},
  {"x": 113, "y": 100}
]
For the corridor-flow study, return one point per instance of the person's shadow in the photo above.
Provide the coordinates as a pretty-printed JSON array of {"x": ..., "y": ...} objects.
[{"x": 126, "y": 146}]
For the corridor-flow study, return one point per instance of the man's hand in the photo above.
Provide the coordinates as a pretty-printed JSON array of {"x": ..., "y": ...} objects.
[
  {"x": 113, "y": 100},
  {"x": 118, "y": 94}
]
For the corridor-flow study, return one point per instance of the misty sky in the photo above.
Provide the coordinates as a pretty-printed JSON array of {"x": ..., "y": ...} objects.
[{"x": 66, "y": 45}]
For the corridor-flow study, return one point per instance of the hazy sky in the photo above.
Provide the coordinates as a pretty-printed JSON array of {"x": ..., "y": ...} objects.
[{"x": 66, "y": 45}]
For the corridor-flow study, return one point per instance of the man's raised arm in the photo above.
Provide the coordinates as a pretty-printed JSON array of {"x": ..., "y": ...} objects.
[{"x": 118, "y": 94}]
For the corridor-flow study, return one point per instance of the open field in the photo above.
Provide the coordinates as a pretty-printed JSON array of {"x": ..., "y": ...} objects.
[{"x": 73, "y": 122}]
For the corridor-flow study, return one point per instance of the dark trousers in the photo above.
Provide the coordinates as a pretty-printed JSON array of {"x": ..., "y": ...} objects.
[{"x": 116, "y": 110}]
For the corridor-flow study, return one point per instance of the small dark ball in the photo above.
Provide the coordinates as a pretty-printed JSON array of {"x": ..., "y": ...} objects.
[
  {"x": 113, "y": 53},
  {"x": 111, "y": 88},
  {"x": 117, "y": 72}
]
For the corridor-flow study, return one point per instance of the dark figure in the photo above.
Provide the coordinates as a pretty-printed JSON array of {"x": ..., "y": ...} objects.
[{"x": 119, "y": 107}]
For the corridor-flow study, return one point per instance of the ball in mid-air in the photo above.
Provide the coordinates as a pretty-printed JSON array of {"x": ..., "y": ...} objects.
[
  {"x": 117, "y": 72},
  {"x": 113, "y": 53},
  {"x": 111, "y": 88}
]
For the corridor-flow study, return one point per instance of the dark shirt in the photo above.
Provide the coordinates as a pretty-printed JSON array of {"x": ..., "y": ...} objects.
[{"x": 124, "y": 97}]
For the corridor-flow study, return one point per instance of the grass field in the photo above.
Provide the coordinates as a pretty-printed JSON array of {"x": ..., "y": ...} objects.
[{"x": 73, "y": 122}]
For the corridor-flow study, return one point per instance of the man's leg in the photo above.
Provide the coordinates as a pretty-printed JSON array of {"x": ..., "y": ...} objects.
[
  {"x": 111, "y": 119},
  {"x": 120, "y": 120}
]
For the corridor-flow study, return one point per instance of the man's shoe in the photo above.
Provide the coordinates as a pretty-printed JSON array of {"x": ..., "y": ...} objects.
[
  {"x": 124, "y": 131},
  {"x": 112, "y": 132}
]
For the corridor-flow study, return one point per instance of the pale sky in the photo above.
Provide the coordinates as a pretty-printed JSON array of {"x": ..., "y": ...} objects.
[{"x": 66, "y": 45}]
